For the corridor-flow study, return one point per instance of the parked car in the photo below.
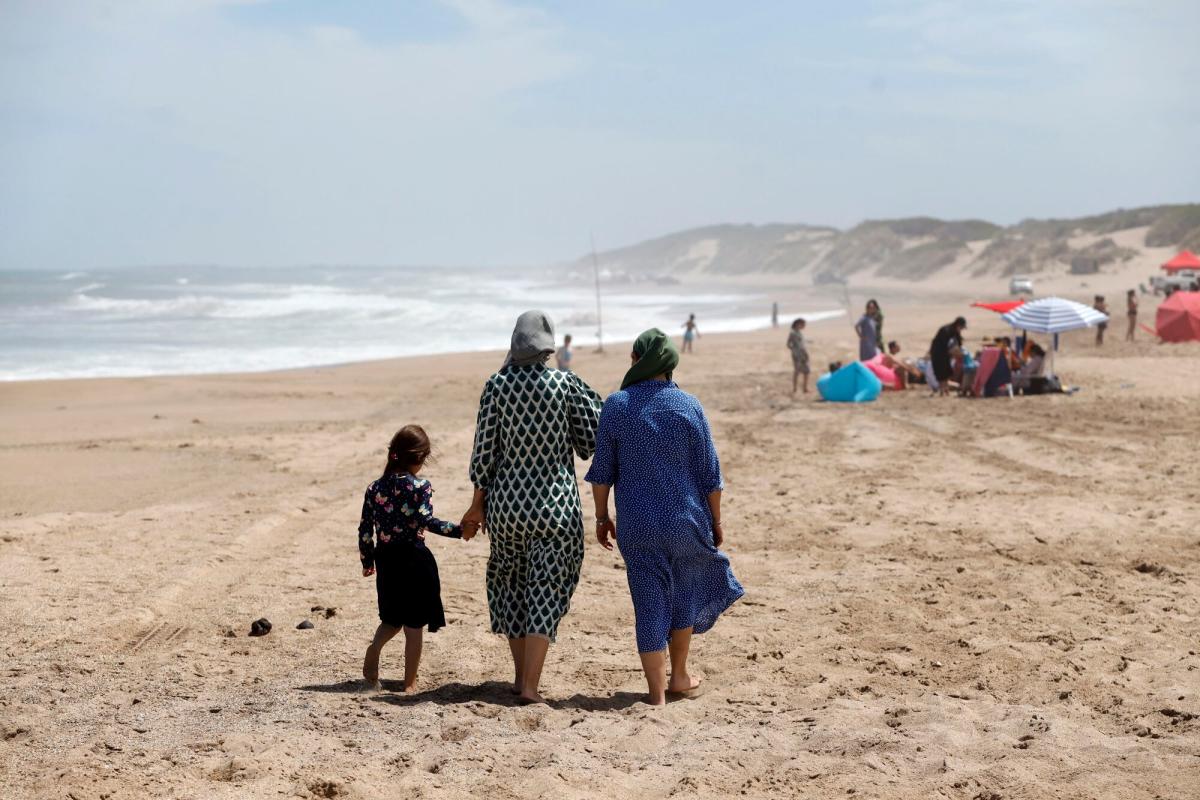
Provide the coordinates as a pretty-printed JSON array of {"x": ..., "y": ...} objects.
[
  {"x": 1185, "y": 280},
  {"x": 1020, "y": 284}
]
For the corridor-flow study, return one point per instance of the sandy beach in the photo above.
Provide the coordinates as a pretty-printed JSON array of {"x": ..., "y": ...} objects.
[{"x": 945, "y": 598}]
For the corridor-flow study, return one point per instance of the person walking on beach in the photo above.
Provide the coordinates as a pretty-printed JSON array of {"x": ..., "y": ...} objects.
[
  {"x": 690, "y": 332},
  {"x": 562, "y": 357},
  {"x": 868, "y": 344},
  {"x": 774, "y": 315},
  {"x": 396, "y": 512},
  {"x": 1102, "y": 307},
  {"x": 945, "y": 351},
  {"x": 654, "y": 448},
  {"x": 799, "y": 348},
  {"x": 1131, "y": 309},
  {"x": 531, "y": 419}
]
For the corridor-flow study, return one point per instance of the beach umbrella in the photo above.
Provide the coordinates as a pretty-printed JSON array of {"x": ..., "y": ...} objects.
[
  {"x": 1054, "y": 315},
  {"x": 1178, "y": 318},
  {"x": 1003, "y": 307}
]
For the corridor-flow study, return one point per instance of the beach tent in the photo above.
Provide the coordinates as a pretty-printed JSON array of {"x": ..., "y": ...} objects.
[
  {"x": 1003, "y": 307},
  {"x": 853, "y": 383},
  {"x": 1186, "y": 259},
  {"x": 1054, "y": 315},
  {"x": 1178, "y": 318},
  {"x": 993, "y": 373}
]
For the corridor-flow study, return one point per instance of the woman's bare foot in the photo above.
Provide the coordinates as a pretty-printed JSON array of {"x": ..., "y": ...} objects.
[
  {"x": 409, "y": 686},
  {"x": 368, "y": 686},
  {"x": 530, "y": 698},
  {"x": 682, "y": 684}
]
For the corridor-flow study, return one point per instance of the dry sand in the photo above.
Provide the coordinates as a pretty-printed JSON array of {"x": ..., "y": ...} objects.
[{"x": 945, "y": 597}]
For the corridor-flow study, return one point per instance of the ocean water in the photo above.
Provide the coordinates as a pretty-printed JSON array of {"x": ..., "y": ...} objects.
[{"x": 193, "y": 320}]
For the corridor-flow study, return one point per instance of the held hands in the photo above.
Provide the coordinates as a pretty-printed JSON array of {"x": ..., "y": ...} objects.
[
  {"x": 368, "y": 572},
  {"x": 606, "y": 532},
  {"x": 473, "y": 521}
]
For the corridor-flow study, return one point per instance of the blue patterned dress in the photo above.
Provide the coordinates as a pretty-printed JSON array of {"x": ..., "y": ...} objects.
[{"x": 654, "y": 446}]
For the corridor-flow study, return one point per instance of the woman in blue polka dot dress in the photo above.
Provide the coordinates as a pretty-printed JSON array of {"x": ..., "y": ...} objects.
[{"x": 654, "y": 446}]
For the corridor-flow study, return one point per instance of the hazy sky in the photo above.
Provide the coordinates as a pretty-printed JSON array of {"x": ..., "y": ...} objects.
[{"x": 483, "y": 131}]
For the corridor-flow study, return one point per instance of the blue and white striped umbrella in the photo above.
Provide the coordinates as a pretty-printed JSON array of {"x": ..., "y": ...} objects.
[{"x": 1053, "y": 315}]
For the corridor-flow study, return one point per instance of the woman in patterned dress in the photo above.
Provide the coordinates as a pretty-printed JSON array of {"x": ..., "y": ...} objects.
[
  {"x": 655, "y": 448},
  {"x": 531, "y": 418}
]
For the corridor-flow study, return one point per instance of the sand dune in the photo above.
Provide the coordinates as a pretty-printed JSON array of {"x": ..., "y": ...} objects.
[{"x": 945, "y": 598}]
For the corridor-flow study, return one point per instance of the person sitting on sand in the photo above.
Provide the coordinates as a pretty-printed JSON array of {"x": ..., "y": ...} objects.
[
  {"x": 906, "y": 370},
  {"x": 655, "y": 449},
  {"x": 1033, "y": 367},
  {"x": 1005, "y": 343},
  {"x": 562, "y": 357},
  {"x": 690, "y": 332},
  {"x": 396, "y": 512},
  {"x": 799, "y": 348}
]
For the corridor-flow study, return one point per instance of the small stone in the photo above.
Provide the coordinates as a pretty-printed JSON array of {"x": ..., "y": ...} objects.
[
  {"x": 317, "y": 608},
  {"x": 330, "y": 612},
  {"x": 260, "y": 627},
  {"x": 305, "y": 625}
]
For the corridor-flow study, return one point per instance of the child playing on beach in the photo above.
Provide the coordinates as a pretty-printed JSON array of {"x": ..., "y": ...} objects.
[
  {"x": 396, "y": 512},
  {"x": 799, "y": 348},
  {"x": 562, "y": 356},
  {"x": 690, "y": 332}
]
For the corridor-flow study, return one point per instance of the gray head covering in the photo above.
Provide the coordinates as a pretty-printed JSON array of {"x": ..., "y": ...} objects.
[{"x": 532, "y": 340}]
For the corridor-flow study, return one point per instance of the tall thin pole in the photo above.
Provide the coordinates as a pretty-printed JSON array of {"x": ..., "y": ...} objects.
[{"x": 599, "y": 318}]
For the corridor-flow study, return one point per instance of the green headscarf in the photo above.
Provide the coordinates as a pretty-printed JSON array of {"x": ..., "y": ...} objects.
[{"x": 656, "y": 355}]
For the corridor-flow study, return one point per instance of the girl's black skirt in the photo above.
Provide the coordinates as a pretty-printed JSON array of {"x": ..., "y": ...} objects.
[{"x": 408, "y": 587}]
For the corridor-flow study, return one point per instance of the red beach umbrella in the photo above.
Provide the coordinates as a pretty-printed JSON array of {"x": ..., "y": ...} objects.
[
  {"x": 1178, "y": 318},
  {"x": 1003, "y": 307}
]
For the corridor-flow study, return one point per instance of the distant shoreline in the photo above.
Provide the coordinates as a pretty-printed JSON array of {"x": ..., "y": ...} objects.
[{"x": 579, "y": 344}]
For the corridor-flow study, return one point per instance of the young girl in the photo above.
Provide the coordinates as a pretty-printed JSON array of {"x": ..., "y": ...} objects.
[
  {"x": 397, "y": 510},
  {"x": 799, "y": 350},
  {"x": 690, "y": 332}
]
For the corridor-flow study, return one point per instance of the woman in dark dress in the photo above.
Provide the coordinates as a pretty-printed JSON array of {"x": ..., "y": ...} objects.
[{"x": 946, "y": 344}]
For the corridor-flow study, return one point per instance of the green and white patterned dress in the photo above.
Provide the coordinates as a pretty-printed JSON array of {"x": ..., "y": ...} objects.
[{"x": 531, "y": 418}]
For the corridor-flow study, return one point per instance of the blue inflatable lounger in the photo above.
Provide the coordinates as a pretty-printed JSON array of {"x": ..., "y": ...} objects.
[{"x": 853, "y": 383}]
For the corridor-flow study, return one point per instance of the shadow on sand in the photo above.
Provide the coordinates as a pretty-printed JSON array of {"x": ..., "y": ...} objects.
[{"x": 491, "y": 692}]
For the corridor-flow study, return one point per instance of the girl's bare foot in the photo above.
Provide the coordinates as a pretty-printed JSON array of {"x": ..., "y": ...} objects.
[
  {"x": 409, "y": 686},
  {"x": 682, "y": 684},
  {"x": 530, "y": 698},
  {"x": 370, "y": 686}
]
